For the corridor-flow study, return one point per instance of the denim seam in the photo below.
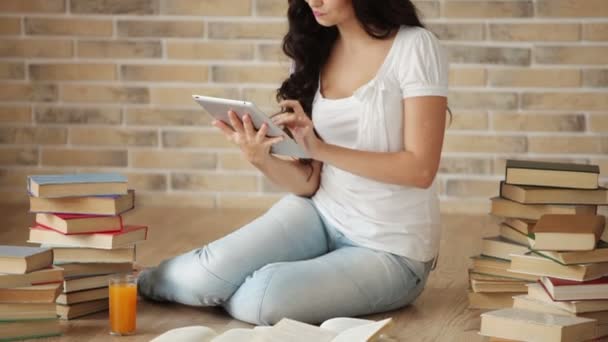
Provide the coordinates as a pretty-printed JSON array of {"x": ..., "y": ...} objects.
[
  {"x": 418, "y": 287},
  {"x": 264, "y": 296},
  {"x": 408, "y": 288},
  {"x": 215, "y": 275},
  {"x": 362, "y": 293}
]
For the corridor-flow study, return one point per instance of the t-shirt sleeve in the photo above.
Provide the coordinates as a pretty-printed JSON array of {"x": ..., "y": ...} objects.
[{"x": 423, "y": 67}]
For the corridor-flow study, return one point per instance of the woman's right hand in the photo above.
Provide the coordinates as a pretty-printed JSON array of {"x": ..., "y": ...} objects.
[{"x": 254, "y": 145}]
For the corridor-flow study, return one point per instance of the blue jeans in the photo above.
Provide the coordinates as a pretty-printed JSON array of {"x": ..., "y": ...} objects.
[{"x": 290, "y": 263}]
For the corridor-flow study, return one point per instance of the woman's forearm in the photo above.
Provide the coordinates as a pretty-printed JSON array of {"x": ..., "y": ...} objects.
[
  {"x": 291, "y": 175},
  {"x": 402, "y": 168}
]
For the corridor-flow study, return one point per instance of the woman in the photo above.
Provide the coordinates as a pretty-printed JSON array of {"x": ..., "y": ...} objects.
[{"x": 361, "y": 228}]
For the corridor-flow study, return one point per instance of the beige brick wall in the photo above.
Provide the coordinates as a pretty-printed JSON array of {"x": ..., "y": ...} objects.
[{"x": 105, "y": 85}]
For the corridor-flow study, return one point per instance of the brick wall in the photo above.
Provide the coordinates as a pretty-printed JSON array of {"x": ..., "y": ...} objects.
[{"x": 105, "y": 85}]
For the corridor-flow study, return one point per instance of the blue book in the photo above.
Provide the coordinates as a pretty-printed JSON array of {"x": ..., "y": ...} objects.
[
  {"x": 77, "y": 185},
  {"x": 22, "y": 259}
]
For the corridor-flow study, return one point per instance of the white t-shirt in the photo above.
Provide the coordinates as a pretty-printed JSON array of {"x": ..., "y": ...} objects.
[{"x": 398, "y": 219}]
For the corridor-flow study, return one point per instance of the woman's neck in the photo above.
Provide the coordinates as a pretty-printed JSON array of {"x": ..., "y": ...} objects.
[{"x": 352, "y": 36}]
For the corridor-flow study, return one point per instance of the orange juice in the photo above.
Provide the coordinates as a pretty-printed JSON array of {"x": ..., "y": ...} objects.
[{"x": 123, "y": 305}]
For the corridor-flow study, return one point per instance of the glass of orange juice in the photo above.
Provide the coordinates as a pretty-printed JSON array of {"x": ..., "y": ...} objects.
[{"x": 123, "y": 304}]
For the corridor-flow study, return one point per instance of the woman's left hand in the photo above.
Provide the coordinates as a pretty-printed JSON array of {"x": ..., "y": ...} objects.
[{"x": 300, "y": 126}]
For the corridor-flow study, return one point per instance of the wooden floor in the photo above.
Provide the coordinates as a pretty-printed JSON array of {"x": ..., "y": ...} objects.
[{"x": 439, "y": 314}]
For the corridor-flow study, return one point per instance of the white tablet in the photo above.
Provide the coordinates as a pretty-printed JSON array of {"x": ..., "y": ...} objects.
[{"x": 219, "y": 107}]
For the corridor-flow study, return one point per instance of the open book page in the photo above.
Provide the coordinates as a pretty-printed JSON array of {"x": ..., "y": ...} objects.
[
  {"x": 295, "y": 331},
  {"x": 240, "y": 335},
  {"x": 334, "y": 330},
  {"x": 367, "y": 332},
  {"x": 341, "y": 324},
  {"x": 193, "y": 333}
]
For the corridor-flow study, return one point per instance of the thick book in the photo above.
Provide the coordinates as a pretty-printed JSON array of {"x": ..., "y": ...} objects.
[
  {"x": 491, "y": 301},
  {"x": 600, "y": 254},
  {"x": 83, "y": 296},
  {"x": 20, "y": 259},
  {"x": 67, "y": 312},
  {"x": 31, "y": 294},
  {"x": 561, "y": 289},
  {"x": 509, "y": 233},
  {"x": 540, "y": 266},
  {"x": 556, "y": 232},
  {"x": 23, "y": 330},
  {"x": 339, "y": 329},
  {"x": 526, "y": 302},
  {"x": 500, "y": 248},
  {"x": 506, "y": 208},
  {"x": 489, "y": 286},
  {"x": 537, "y": 291},
  {"x": 74, "y": 284},
  {"x": 79, "y": 223},
  {"x": 65, "y": 255},
  {"x": 93, "y": 205},
  {"x": 39, "y": 277},
  {"x": 81, "y": 184},
  {"x": 27, "y": 311},
  {"x": 128, "y": 236},
  {"x": 527, "y": 194},
  {"x": 520, "y": 324},
  {"x": 497, "y": 267},
  {"x": 92, "y": 269},
  {"x": 549, "y": 174}
]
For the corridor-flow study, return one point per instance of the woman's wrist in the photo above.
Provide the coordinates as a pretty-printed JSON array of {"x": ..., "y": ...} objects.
[
  {"x": 263, "y": 163},
  {"x": 317, "y": 149}
]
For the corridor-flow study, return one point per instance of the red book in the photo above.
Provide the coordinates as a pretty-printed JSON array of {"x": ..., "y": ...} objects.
[
  {"x": 108, "y": 240},
  {"x": 561, "y": 289},
  {"x": 79, "y": 223}
]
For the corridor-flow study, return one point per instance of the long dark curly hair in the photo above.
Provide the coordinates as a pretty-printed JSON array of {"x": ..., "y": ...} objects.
[{"x": 308, "y": 43}]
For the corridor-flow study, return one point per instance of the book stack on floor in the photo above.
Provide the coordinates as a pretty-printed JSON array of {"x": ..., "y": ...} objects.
[
  {"x": 550, "y": 208},
  {"x": 492, "y": 284},
  {"x": 29, "y": 286},
  {"x": 79, "y": 216}
]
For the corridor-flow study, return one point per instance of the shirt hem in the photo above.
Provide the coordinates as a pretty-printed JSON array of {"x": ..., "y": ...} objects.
[{"x": 425, "y": 92}]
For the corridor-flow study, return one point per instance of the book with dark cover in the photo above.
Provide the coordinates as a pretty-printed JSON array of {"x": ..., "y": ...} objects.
[
  {"x": 529, "y": 194},
  {"x": 561, "y": 175}
]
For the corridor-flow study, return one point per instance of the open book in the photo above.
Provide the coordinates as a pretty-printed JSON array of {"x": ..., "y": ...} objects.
[{"x": 340, "y": 329}]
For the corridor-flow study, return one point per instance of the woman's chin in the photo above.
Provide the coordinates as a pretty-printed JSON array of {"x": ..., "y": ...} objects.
[{"x": 323, "y": 22}]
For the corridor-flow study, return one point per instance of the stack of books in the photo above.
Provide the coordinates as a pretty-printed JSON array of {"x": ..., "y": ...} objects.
[
  {"x": 79, "y": 217},
  {"x": 549, "y": 211},
  {"x": 29, "y": 286},
  {"x": 492, "y": 284}
]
